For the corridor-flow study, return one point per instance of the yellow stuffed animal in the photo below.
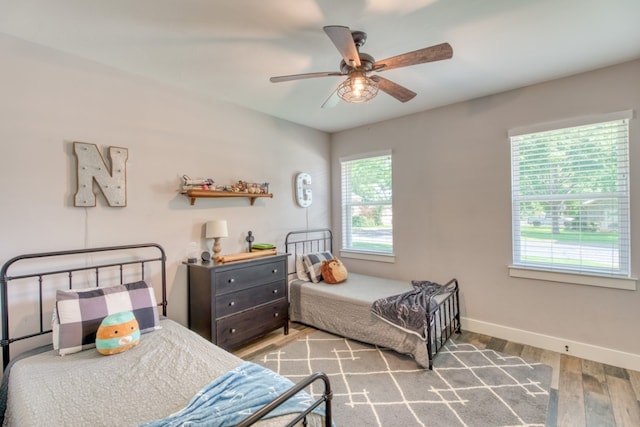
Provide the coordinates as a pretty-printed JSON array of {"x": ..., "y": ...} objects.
[{"x": 117, "y": 333}]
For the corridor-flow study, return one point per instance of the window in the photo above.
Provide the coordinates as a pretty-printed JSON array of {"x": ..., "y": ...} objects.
[
  {"x": 367, "y": 214},
  {"x": 570, "y": 197}
]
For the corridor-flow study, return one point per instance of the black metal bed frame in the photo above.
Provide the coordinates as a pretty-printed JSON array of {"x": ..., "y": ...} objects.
[
  {"x": 444, "y": 316},
  {"x": 325, "y": 398},
  {"x": 97, "y": 267}
]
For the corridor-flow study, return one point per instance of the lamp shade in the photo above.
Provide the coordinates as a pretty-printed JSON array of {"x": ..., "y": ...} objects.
[{"x": 216, "y": 228}]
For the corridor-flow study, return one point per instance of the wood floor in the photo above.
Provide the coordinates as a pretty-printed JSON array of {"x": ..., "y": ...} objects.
[{"x": 583, "y": 392}]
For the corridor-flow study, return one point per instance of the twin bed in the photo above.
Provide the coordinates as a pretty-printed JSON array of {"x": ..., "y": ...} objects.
[
  {"x": 345, "y": 309},
  {"x": 172, "y": 375}
]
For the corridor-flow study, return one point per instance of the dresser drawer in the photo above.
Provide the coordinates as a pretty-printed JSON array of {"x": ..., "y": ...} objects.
[
  {"x": 238, "y": 301},
  {"x": 239, "y": 328},
  {"x": 230, "y": 304},
  {"x": 236, "y": 279}
]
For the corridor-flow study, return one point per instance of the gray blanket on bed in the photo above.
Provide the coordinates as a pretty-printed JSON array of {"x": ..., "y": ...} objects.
[{"x": 408, "y": 310}]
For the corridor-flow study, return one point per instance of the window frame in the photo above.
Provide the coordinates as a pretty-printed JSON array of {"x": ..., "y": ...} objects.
[
  {"x": 346, "y": 250},
  {"x": 620, "y": 280}
]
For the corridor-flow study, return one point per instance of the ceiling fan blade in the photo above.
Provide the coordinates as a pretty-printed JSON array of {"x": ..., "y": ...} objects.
[
  {"x": 420, "y": 56},
  {"x": 343, "y": 39},
  {"x": 279, "y": 79},
  {"x": 400, "y": 93},
  {"x": 332, "y": 100}
]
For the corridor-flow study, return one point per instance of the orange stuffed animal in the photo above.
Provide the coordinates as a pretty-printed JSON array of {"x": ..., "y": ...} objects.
[
  {"x": 117, "y": 333},
  {"x": 333, "y": 271}
]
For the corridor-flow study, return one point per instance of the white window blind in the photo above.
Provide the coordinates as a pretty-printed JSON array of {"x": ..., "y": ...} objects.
[
  {"x": 570, "y": 198},
  {"x": 367, "y": 219}
]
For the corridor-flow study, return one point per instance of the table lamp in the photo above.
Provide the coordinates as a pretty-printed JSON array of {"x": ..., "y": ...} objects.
[{"x": 215, "y": 230}]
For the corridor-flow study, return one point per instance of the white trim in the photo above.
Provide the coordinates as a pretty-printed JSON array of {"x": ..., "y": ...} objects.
[
  {"x": 569, "y": 123},
  {"x": 579, "y": 349},
  {"x": 367, "y": 256},
  {"x": 525, "y": 163},
  {"x": 625, "y": 283},
  {"x": 365, "y": 155}
]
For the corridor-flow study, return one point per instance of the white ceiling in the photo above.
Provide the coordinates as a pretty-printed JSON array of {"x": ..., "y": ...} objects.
[{"x": 228, "y": 49}]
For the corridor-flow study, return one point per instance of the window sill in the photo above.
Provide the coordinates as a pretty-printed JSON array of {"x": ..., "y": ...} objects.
[
  {"x": 367, "y": 256},
  {"x": 626, "y": 283}
]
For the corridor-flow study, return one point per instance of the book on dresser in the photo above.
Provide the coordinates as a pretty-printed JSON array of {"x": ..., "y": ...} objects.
[{"x": 233, "y": 303}]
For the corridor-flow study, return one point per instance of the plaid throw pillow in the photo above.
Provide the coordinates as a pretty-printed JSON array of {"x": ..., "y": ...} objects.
[
  {"x": 80, "y": 313},
  {"x": 313, "y": 263}
]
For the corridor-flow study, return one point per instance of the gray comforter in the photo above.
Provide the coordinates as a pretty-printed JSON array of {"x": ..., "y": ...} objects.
[
  {"x": 408, "y": 310},
  {"x": 155, "y": 379},
  {"x": 345, "y": 310}
]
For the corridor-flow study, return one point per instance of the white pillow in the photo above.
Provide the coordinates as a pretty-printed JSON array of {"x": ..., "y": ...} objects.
[{"x": 301, "y": 269}]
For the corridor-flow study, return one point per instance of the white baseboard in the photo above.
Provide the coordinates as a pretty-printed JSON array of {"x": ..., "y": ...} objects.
[{"x": 557, "y": 344}]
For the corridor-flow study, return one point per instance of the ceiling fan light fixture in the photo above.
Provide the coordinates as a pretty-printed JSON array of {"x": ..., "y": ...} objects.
[{"x": 357, "y": 88}]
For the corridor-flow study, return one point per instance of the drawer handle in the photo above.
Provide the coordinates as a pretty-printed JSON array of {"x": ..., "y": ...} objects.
[
  {"x": 275, "y": 291},
  {"x": 274, "y": 271},
  {"x": 232, "y": 280},
  {"x": 232, "y": 330},
  {"x": 232, "y": 303},
  {"x": 276, "y": 314}
]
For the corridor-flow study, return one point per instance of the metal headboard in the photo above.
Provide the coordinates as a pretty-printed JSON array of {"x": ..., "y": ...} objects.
[
  {"x": 301, "y": 242},
  {"x": 127, "y": 259}
]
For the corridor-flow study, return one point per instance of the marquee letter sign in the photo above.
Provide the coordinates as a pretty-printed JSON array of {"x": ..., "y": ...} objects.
[{"x": 92, "y": 167}]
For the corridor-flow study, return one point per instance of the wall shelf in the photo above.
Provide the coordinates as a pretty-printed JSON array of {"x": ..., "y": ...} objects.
[{"x": 198, "y": 194}]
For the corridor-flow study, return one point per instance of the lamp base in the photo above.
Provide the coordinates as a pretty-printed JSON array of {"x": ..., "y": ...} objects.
[{"x": 216, "y": 247}]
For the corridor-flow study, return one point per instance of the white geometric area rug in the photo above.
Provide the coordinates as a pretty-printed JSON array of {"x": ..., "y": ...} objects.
[{"x": 375, "y": 386}]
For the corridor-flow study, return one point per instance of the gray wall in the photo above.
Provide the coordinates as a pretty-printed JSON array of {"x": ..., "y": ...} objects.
[
  {"x": 50, "y": 99},
  {"x": 452, "y": 210}
]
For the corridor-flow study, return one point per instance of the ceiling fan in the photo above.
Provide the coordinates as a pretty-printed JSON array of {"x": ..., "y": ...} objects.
[{"x": 359, "y": 86}]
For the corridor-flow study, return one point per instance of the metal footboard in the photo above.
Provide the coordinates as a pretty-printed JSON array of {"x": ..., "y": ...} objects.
[
  {"x": 325, "y": 398},
  {"x": 443, "y": 319}
]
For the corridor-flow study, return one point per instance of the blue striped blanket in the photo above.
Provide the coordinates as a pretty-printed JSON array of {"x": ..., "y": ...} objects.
[{"x": 234, "y": 396}]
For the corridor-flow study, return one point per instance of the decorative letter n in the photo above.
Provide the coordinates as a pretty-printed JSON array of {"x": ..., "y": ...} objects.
[{"x": 91, "y": 166}]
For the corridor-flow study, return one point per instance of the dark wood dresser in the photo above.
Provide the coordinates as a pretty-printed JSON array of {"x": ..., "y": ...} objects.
[{"x": 231, "y": 304}]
